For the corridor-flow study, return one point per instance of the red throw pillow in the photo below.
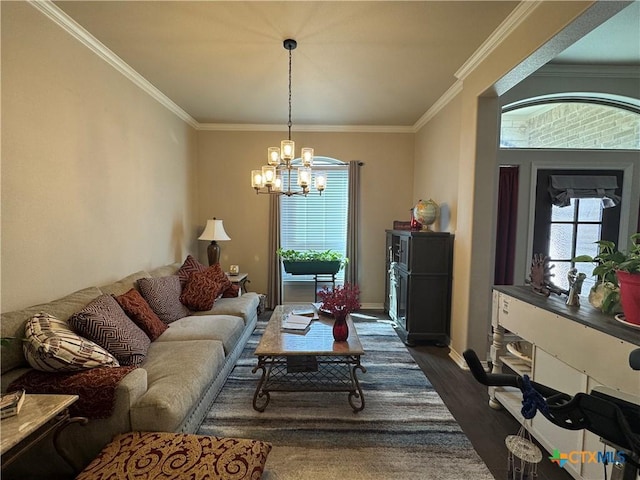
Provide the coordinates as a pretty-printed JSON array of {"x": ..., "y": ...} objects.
[
  {"x": 138, "y": 310},
  {"x": 202, "y": 289},
  {"x": 231, "y": 292},
  {"x": 220, "y": 276},
  {"x": 190, "y": 265}
]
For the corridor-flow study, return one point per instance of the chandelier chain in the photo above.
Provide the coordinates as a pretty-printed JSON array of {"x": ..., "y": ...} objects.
[
  {"x": 289, "y": 123},
  {"x": 270, "y": 179}
]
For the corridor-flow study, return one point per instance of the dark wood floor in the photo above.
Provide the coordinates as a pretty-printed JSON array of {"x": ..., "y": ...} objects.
[{"x": 468, "y": 402}]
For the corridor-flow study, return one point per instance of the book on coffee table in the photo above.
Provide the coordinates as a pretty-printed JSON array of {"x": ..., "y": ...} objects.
[
  {"x": 296, "y": 323},
  {"x": 11, "y": 403}
]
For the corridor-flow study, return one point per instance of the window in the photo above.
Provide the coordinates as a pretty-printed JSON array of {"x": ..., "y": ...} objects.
[
  {"x": 564, "y": 232},
  {"x": 317, "y": 222},
  {"x": 571, "y": 122}
]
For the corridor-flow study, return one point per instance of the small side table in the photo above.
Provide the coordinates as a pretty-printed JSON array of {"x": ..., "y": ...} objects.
[
  {"x": 240, "y": 279},
  {"x": 39, "y": 416}
]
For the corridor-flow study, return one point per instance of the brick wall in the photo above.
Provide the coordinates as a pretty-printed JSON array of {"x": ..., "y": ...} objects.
[{"x": 572, "y": 125}]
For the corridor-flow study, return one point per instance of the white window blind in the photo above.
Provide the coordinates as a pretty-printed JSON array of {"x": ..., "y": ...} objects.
[{"x": 317, "y": 222}]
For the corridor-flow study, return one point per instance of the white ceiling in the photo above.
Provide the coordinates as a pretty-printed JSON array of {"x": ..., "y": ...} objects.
[{"x": 380, "y": 63}]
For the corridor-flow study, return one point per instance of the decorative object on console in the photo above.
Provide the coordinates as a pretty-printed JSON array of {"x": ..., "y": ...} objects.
[
  {"x": 425, "y": 213},
  {"x": 339, "y": 302},
  {"x": 540, "y": 280},
  {"x": 575, "y": 287},
  {"x": 214, "y": 231},
  {"x": 234, "y": 269},
  {"x": 269, "y": 180}
]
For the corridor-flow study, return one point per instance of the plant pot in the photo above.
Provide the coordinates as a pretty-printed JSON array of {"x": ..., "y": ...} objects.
[
  {"x": 630, "y": 295},
  {"x": 311, "y": 267}
]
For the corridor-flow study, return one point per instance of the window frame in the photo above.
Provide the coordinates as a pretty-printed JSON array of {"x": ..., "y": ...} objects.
[
  {"x": 543, "y": 207},
  {"x": 327, "y": 165}
]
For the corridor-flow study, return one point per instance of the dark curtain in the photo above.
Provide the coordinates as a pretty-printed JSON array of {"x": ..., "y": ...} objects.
[{"x": 506, "y": 225}]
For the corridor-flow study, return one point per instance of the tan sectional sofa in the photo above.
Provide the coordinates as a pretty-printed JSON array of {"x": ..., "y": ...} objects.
[{"x": 172, "y": 389}]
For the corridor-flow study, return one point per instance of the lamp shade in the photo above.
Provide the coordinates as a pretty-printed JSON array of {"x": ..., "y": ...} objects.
[{"x": 214, "y": 231}]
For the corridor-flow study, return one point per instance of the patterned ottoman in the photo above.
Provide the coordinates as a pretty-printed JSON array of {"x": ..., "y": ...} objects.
[{"x": 151, "y": 455}]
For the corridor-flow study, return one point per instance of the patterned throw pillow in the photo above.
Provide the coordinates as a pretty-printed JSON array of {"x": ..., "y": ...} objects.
[
  {"x": 190, "y": 265},
  {"x": 231, "y": 292},
  {"x": 202, "y": 289},
  {"x": 220, "y": 276},
  {"x": 51, "y": 346},
  {"x": 104, "y": 322},
  {"x": 138, "y": 310},
  {"x": 163, "y": 296}
]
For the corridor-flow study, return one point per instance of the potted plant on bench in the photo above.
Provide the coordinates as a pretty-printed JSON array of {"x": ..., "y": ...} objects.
[
  {"x": 619, "y": 275},
  {"x": 311, "y": 262}
]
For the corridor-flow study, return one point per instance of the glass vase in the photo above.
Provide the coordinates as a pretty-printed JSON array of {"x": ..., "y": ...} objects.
[{"x": 340, "y": 327}]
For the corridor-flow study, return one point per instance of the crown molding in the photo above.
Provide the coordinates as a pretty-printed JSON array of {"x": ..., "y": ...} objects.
[
  {"x": 508, "y": 25},
  {"x": 50, "y": 10},
  {"x": 442, "y": 102},
  {"x": 246, "y": 127}
]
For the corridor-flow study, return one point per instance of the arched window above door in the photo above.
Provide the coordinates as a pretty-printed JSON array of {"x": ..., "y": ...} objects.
[{"x": 578, "y": 121}]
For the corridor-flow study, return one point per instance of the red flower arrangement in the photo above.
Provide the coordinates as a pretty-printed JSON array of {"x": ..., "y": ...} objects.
[{"x": 340, "y": 299}]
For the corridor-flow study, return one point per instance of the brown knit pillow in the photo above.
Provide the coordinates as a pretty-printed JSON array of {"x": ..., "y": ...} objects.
[
  {"x": 220, "y": 276},
  {"x": 231, "y": 292},
  {"x": 202, "y": 289},
  {"x": 138, "y": 310}
]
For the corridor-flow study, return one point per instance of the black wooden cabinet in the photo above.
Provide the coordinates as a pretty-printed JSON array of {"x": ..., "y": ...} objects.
[{"x": 418, "y": 284}]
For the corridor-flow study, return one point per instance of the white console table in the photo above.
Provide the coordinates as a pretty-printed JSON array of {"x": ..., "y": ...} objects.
[{"x": 574, "y": 350}]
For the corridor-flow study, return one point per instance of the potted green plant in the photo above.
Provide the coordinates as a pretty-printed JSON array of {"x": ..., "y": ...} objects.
[
  {"x": 619, "y": 278},
  {"x": 310, "y": 262}
]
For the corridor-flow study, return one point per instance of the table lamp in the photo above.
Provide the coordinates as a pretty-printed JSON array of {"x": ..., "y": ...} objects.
[{"x": 214, "y": 231}]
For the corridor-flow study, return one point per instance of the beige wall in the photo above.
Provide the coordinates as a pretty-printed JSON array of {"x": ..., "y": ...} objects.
[
  {"x": 475, "y": 131},
  {"x": 225, "y": 163},
  {"x": 97, "y": 177}
]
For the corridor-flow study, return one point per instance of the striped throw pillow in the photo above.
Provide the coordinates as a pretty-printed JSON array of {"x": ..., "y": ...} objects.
[{"x": 51, "y": 346}]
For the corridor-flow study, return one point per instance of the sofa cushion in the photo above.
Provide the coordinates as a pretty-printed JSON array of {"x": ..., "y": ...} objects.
[
  {"x": 51, "y": 346},
  {"x": 125, "y": 284},
  {"x": 12, "y": 323},
  {"x": 178, "y": 455},
  {"x": 225, "y": 328},
  {"x": 245, "y": 306},
  {"x": 178, "y": 374},
  {"x": 104, "y": 322},
  {"x": 138, "y": 310},
  {"x": 163, "y": 296},
  {"x": 201, "y": 290},
  {"x": 190, "y": 265},
  {"x": 165, "y": 270}
]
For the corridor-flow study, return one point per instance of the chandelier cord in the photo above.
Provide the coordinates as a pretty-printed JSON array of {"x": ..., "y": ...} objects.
[{"x": 289, "y": 123}]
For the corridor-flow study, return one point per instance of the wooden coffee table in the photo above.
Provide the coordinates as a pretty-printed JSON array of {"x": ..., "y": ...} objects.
[{"x": 310, "y": 362}]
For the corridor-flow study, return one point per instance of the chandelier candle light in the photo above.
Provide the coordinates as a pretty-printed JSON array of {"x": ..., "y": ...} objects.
[{"x": 268, "y": 180}]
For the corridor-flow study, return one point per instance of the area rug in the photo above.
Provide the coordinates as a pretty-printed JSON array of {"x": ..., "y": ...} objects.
[{"x": 404, "y": 432}]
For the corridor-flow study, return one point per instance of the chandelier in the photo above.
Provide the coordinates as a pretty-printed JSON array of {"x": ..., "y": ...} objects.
[{"x": 269, "y": 180}]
